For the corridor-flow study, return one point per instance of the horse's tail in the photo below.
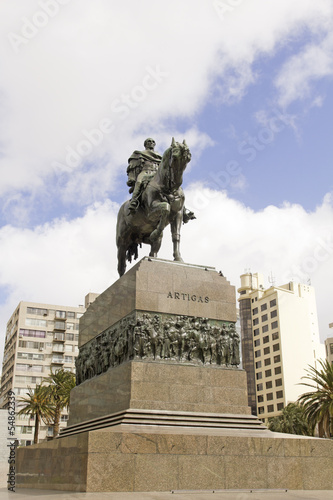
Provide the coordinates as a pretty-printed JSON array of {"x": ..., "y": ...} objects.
[{"x": 132, "y": 251}]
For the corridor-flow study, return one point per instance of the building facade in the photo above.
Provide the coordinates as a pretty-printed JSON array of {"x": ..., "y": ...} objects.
[
  {"x": 40, "y": 338},
  {"x": 280, "y": 338},
  {"x": 329, "y": 346}
]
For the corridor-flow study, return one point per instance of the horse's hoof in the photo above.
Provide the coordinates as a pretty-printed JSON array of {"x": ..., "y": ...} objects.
[
  {"x": 178, "y": 259},
  {"x": 155, "y": 235}
]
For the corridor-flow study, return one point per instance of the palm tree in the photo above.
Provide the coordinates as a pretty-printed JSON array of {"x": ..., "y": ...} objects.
[
  {"x": 37, "y": 404},
  {"x": 291, "y": 421},
  {"x": 60, "y": 385},
  {"x": 318, "y": 403}
]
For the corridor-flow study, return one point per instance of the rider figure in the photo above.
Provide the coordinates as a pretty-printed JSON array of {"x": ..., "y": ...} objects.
[{"x": 142, "y": 166}]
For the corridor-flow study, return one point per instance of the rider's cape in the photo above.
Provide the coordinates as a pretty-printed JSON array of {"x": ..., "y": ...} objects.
[{"x": 138, "y": 158}]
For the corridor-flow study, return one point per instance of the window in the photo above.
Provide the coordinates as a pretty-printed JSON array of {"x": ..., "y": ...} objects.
[
  {"x": 64, "y": 418},
  {"x": 68, "y": 359},
  {"x": 279, "y": 394},
  {"x": 267, "y": 361},
  {"x": 277, "y": 370},
  {"x": 28, "y": 380},
  {"x": 263, "y": 307},
  {"x": 30, "y": 355},
  {"x": 29, "y": 368},
  {"x": 59, "y": 336},
  {"x": 277, "y": 359},
  {"x": 70, "y": 314},
  {"x": 274, "y": 324},
  {"x": 60, "y": 325},
  {"x": 265, "y": 339},
  {"x": 69, "y": 336},
  {"x": 70, "y": 326},
  {"x": 260, "y": 387},
  {"x": 274, "y": 313},
  {"x": 278, "y": 382},
  {"x": 270, "y": 408},
  {"x": 255, "y": 321},
  {"x": 331, "y": 348},
  {"x": 280, "y": 406},
  {"x": 259, "y": 375},
  {"x": 269, "y": 396},
  {"x": 25, "y": 429},
  {"x": 61, "y": 314},
  {"x": 258, "y": 364},
  {"x": 57, "y": 359},
  {"x": 265, "y": 329},
  {"x": 267, "y": 350},
  {"x": 272, "y": 303},
  {"x": 31, "y": 345},
  {"x": 269, "y": 385},
  {"x": 275, "y": 336},
  {"x": 32, "y": 333},
  {"x": 257, "y": 353},
  {"x": 68, "y": 348},
  {"x": 264, "y": 317},
  {"x": 260, "y": 410},
  {"x": 35, "y": 322},
  {"x": 256, "y": 343},
  {"x": 255, "y": 310},
  {"x": 260, "y": 399},
  {"x": 268, "y": 373},
  {"x": 256, "y": 332},
  {"x": 58, "y": 348},
  {"x": 37, "y": 310},
  {"x": 276, "y": 347}
]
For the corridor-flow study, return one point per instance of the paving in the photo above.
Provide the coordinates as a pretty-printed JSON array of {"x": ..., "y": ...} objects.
[{"x": 26, "y": 494}]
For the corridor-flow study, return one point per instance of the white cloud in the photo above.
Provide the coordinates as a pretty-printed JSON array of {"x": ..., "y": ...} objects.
[
  {"x": 61, "y": 262},
  {"x": 298, "y": 74},
  {"x": 91, "y": 56}
]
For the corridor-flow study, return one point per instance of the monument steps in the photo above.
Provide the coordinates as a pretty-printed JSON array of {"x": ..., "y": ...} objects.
[{"x": 168, "y": 418}]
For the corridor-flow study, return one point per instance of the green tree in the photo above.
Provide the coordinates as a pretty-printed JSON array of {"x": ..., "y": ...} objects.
[
  {"x": 318, "y": 403},
  {"x": 60, "y": 385},
  {"x": 291, "y": 421},
  {"x": 37, "y": 404}
]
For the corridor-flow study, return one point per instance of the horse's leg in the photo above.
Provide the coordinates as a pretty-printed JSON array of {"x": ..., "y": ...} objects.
[
  {"x": 155, "y": 246},
  {"x": 164, "y": 209},
  {"x": 175, "y": 232}
]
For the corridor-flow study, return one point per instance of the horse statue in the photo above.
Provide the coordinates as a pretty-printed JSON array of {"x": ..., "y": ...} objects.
[{"x": 162, "y": 203}]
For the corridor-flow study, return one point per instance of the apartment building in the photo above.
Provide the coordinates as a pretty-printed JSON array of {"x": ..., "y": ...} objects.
[
  {"x": 280, "y": 338},
  {"x": 39, "y": 339}
]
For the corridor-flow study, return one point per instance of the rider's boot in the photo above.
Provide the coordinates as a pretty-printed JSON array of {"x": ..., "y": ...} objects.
[{"x": 134, "y": 203}]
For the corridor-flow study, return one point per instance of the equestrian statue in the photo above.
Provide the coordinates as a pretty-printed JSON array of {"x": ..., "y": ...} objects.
[{"x": 157, "y": 200}]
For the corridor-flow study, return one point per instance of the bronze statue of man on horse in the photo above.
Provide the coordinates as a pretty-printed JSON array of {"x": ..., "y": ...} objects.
[{"x": 157, "y": 200}]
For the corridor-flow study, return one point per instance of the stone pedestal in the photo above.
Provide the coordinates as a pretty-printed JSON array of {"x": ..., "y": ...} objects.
[{"x": 173, "y": 415}]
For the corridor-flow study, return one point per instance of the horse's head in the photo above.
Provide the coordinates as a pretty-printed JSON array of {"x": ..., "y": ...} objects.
[{"x": 180, "y": 152}]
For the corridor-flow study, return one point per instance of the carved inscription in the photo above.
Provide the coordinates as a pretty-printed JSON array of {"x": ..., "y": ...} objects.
[
  {"x": 187, "y": 296},
  {"x": 159, "y": 337}
]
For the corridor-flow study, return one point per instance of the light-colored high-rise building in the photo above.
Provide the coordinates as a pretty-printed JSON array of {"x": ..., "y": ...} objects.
[
  {"x": 280, "y": 338},
  {"x": 329, "y": 346},
  {"x": 40, "y": 338}
]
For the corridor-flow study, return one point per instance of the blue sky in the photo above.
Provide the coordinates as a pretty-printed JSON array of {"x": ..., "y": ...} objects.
[{"x": 247, "y": 83}]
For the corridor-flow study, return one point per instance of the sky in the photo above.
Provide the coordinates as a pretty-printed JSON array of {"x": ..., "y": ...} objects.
[{"x": 247, "y": 83}]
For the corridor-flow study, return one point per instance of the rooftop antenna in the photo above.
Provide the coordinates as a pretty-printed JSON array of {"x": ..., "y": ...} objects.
[{"x": 271, "y": 279}]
